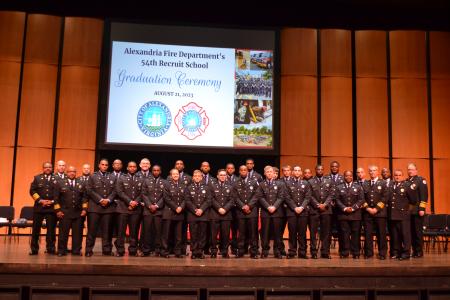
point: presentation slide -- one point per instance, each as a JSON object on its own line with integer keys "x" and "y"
{"x": 179, "y": 95}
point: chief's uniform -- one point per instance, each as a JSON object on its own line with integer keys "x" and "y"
{"x": 173, "y": 198}
{"x": 198, "y": 196}
{"x": 70, "y": 198}
{"x": 375, "y": 194}
{"x": 221, "y": 198}
{"x": 153, "y": 194}
{"x": 128, "y": 188}
{"x": 299, "y": 195}
{"x": 100, "y": 186}
{"x": 243, "y": 191}
{"x": 418, "y": 191}
{"x": 43, "y": 188}
{"x": 271, "y": 193}
{"x": 322, "y": 193}
{"x": 399, "y": 216}
{"x": 349, "y": 195}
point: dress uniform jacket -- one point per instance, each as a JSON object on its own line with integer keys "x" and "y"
{"x": 101, "y": 186}
{"x": 322, "y": 193}
{"x": 198, "y": 196}
{"x": 353, "y": 197}
{"x": 299, "y": 195}
{"x": 153, "y": 194}
{"x": 184, "y": 178}
{"x": 418, "y": 192}
{"x": 399, "y": 201}
{"x": 43, "y": 188}
{"x": 271, "y": 194}
{"x": 221, "y": 198}
{"x": 336, "y": 179}
{"x": 129, "y": 188}
{"x": 70, "y": 199}
{"x": 376, "y": 197}
{"x": 243, "y": 191}
{"x": 173, "y": 198}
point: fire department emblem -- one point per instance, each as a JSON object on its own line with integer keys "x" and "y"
{"x": 191, "y": 120}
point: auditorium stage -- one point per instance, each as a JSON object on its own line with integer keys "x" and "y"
{"x": 260, "y": 277}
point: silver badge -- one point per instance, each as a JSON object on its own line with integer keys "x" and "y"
{"x": 203, "y": 191}
{"x": 402, "y": 190}
{"x": 355, "y": 190}
{"x": 303, "y": 186}
{"x": 111, "y": 182}
{"x": 251, "y": 187}
{"x": 424, "y": 182}
{"x": 274, "y": 187}
{"x": 379, "y": 187}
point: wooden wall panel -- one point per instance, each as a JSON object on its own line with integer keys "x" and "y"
{"x": 38, "y": 105}
{"x": 43, "y": 34}
{"x": 9, "y": 95}
{"x": 439, "y": 54}
{"x": 303, "y": 161}
{"x": 76, "y": 158}
{"x": 372, "y": 117}
{"x": 346, "y": 163}
{"x": 299, "y": 52}
{"x": 365, "y": 162}
{"x": 370, "y": 52}
{"x": 77, "y": 119}
{"x": 6, "y": 158}
{"x": 336, "y": 116}
{"x": 441, "y": 186}
{"x": 299, "y": 115}
{"x": 409, "y": 118}
{"x": 440, "y": 95}
{"x": 82, "y": 41}
{"x": 423, "y": 167}
{"x": 336, "y": 52}
{"x": 408, "y": 54}
{"x": 29, "y": 163}
{"x": 11, "y": 35}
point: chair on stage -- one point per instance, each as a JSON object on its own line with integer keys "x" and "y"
{"x": 25, "y": 220}
{"x": 434, "y": 231}
{"x": 6, "y": 217}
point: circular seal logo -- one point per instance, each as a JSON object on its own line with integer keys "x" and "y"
{"x": 191, "y": 120}
{"x": 154, "y": 118}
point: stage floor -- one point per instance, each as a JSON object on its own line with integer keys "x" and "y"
{"x": 431, "y": 271}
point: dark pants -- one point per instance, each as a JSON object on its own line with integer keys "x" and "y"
{"x": 313, "y": 224}
{"x": 417, "y": 234}
{"x": 248, "y": 235}
{"x": 133, "y": 222}
{"x": 223, "y": 228}
{"x": 297, "y": 233}
{"x": 198, "y": 231}
{"x": 152, "y": 230}
{"x": 282, "y": 229}
{"x": 104, "y": 222}
{"x": 350, "y": 232}
{"x": 65, "y": 224}
{"x": 175, "y": 227}
{"x": 265, "y": 228}
{"x": 234, "y": 231}
{"x": 50, "y": 221}
{"x": 370, "y": 225}
{"x": 401, "y": 237}
{"x": 325, "y": 228}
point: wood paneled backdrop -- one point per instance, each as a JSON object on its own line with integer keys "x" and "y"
{"x": 331, "y": 80}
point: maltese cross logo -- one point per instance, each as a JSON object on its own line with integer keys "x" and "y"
{"x": 191, "y": 120}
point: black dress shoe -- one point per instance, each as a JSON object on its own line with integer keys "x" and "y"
{"x": 214, "y": 255}
{"x": 264, "y": 255}
{"x": 193, "y": 256}
{"x": 201, "y": 256}
{"x": 89, "y": 254}
{"x": 314, "y": 256}
{"x": 355, "y": 256}
{"x": 395, "y": 256}
{"x": 328, "y": 256}
{"x": 107, "y": 253}
{"x": 225, "y": 255}
{"x": 279, "y": 256}
{"x": 77, "y": 254}
{"x": 51, "y": 252}
{"x": 304, "y": 256}
{"x": 368, "y": 256}
{"x": 120, "y": 254}
{"x": 283, "y": 252}
{"x": 33, "y": 252}
{"x": 132, "y": 253}
{"x": 343, "y": 256}
{"x": 290, "y": 256}
{"x": 254, "y": 256}
{"x": 61, "y": 254}
{"x": 165, "y": 255}
{"x": 417, "y": 255}
{"x": 179, "y": 255}
{"x": 404, "y": 257}
{"x": 381, "y": 257}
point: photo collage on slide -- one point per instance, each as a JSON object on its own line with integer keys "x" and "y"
{"x": 253, "y": 99}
